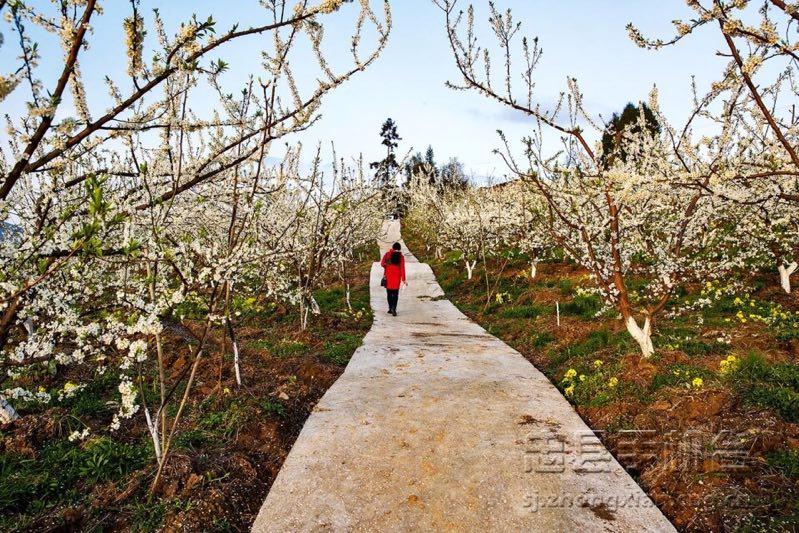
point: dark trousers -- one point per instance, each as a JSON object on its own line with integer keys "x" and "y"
{"x": 393, "y": 297}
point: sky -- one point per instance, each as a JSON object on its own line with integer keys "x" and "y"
{"x": 585, "y": 39}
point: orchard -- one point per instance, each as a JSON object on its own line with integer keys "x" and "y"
{"x": 183, "y": 276}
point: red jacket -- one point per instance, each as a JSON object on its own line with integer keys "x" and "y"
{"x": 395, "y": 274}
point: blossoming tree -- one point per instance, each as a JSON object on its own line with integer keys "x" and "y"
{"x": 645, "y": 205}
{"x": 759, "y": 86}
{"x": 123, "y": 215}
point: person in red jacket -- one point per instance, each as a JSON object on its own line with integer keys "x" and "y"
{"x": 393, "y": 264}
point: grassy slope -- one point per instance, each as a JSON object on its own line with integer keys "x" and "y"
{"x": 684, "y": 459}
{"x": 230, "y": 446}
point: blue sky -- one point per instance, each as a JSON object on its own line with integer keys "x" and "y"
{"x": 581, "y": 38}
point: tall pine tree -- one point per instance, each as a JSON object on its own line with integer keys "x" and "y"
{"x": 386, "y": 168}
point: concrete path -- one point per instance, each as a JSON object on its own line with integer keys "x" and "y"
{"x": 438, "y": 426}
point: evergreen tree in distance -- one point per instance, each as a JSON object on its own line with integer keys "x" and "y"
{"x": 422, "y": 165}
{"x": 612, "y": 145}
{"x": 386, "y": 168}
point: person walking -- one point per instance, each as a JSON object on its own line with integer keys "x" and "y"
{"x": 393, "y": 264}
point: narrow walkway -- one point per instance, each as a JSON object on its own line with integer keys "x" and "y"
{"x": 437, "y": 425}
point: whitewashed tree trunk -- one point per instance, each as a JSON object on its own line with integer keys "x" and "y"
{"x": 785, "y": 275}
{"x": 533, "y": 269}
{"x": 7, "y": 413}
{"x": 236, "y": 365}
{"x": 152, "y": 426}
{"x": 470, "y": 268}
{"x": 643, "y": 336}
{"x": 308, "y": 305}
{"x": 303, "y": 314}
{"x": 349, "y": 304}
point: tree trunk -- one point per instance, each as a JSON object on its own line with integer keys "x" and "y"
{"x": 303, "y": 315}
{"x": 236, "y": 365}
{"x": 533, "y": 269}
{"x": 643, "y": 336}
{"x": 152, "y": 427}
{"x": 785, "y": 275}
{"x": 470, "y": 268}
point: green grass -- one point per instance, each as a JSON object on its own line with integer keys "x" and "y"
{"x": 192, "y": 439}
{"x": 565, "y": 286}
{"x": 449, "y": 285}
{"x": 330, "y": 299}
{"x": 788, "y": 334}
{"x": 786, "y": 462}
{"x": 524, "y": 311}
{"x": 596, "y": 342}
{"x": 92, "y": 401}
{"x": 582, "y": 306}
{"x": 280, "y": 347}
{"x": 31, "y": 485}
{"x": 270, "y": 405}
{"x": 224, "y": 422}
{"x": 698, "y": 347}
{"x": 215, "y": 426}
{"x": 542, "y": 339}
{"x": 769, "y": 385}
{"x": 147, "y": 517}
{"x": 339, "y": 350}
{"x": 680, "y": 375}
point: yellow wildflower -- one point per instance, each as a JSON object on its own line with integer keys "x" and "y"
{"x": 728, "y": 365}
